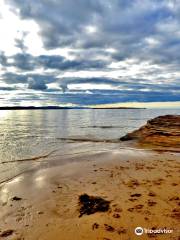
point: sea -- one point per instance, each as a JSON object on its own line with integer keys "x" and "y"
{"x": 35, "y": 138}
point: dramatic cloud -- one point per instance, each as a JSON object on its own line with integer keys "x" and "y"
{"x": 36, "y": 85}
{"x": 88, "y": 52}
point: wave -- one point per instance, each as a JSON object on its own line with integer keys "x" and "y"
{"x": 105, "y": 127}
{"x": 79, "y": 139}
{"x": 30, "y": 159}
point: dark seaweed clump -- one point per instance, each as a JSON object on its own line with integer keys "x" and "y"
{"x": 90, "y": 204}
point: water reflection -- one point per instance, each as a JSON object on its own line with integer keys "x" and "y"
{"x": 40, "y": 181}
{"x": 4, "y": 195}
{"x": 3, "y": 113}
{"x": 26, "y": 134}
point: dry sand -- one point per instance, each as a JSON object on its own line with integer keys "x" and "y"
{"x": 143, "y": 187}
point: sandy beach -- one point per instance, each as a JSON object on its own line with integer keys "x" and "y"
{"x": 141, "y": 185}
{"x": 89, "y": 120}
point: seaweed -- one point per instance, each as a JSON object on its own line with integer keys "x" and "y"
{"x": 90, "y": 205}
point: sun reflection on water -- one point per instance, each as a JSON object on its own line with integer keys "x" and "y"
{"x": 3, "y": 113}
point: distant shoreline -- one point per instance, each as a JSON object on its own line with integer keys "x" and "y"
{"x": 57, "y": 107}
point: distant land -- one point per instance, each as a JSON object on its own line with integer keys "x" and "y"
{"x": 59, "y": 107}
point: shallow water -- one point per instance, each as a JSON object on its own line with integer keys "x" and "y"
{"x": 39, "y": 135}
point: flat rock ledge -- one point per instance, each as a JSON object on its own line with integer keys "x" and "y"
{"x": 161, "y": 131}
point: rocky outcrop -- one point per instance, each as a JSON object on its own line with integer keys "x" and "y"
{"x": 161, "y": 131}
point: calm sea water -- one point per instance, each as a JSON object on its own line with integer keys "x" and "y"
{"x": 37, "y": 135}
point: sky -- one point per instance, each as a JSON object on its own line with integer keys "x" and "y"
{"x": 89, "y": 52}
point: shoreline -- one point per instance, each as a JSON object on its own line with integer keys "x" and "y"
{"x": 139, "y": 185}
{"x": 62, "y": 108}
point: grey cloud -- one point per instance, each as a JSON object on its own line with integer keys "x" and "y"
{"x": 99, "y": 97}
{"x": 143, "y": 30}
{"x": 23, "y": 61}
{"x": 39, "y": 82}
{"x": 36, "y": 85}
{"x": 67, "y": 19}
{"x": 67, "y": 81}
{"x": 123, "y": 83}
{"x": 3, "y": 59}
{"x": 107, "y": 96}
{"x": 7, "y": 88}
{"x": 27, "y": 62}
{"x": 120, "y": 24}
{"x": 60, "y": 63}
{"x": 19, "y": 43}
{"x": 14, "y": 78}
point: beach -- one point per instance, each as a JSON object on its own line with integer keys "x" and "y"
{"x": 142, "y": 187}
{"x": 90, "y": 120}
{"x": 50, "y": 195}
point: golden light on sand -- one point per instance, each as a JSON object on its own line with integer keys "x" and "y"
{"x": 17, "y": 180}
{"x": 40, "y": 181}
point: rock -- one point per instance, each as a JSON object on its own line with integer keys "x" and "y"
{"x": 151, "y": 203}
{"x": 151, "y": 194}
{"x": 161, "y": 131}
{"x": 95, "y": 226}
{"x": 7, "y": 233}
{"x": 121, "y": 230}
{"x": 16, "y": 198}
{"x": 136, "y": 195}
{"x": 109, "y": 228}
{"x": 40, "y": 212}
{"x": 91, "y": 204}
{"x": 116, "y": 215}
{"x": 176, "y": 213}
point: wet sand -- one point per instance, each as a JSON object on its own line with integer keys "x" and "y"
{"x": 141, "y": 185}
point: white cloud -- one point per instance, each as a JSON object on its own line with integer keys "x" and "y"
{"x": 90, "y": 86}
{"x": 91, "y": 29}
{"x": 12, "y": 28}
{"x": 132, "y": 43}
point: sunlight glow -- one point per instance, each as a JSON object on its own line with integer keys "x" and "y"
{"x": 12, "y": 28}
{"x": 91, "y": 29}
{"x": 3, "y": 114}
{"x": 90, "y": 86}
{"x": 140, "y": 105}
